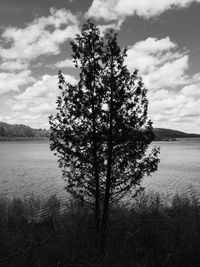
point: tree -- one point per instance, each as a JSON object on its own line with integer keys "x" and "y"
{"x": 101, "y": 131}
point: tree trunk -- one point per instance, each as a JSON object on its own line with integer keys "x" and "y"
{"x": 97, "y": 206}
{"x": 104, "y": 222}
{"x": 95, "y": 165}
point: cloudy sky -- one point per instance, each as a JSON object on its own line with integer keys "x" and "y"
{"x": 163, "y": 38}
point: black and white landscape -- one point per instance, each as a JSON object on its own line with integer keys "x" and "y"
{"x": 99, "y": 133}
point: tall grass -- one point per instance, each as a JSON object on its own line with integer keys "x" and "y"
{"x": 151, "y": 231}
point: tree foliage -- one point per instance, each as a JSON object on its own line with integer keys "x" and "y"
{"x": 101, "y": 132}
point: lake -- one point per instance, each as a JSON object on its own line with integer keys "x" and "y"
{"x": 30, "y": 167}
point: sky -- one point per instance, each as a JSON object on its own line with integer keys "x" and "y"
{"x": 163, "y": 41}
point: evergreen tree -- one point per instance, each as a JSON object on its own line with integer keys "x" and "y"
{"x": 101, "y": 132}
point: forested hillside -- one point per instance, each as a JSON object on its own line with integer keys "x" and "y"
{"x": 167, "y": 134}
{"x": 12, "y": 131}
{"x": 19, "y": 130}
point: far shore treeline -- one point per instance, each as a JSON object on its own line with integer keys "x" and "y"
{"x": 10, "y": 132}
{"x": 21, "y": 132}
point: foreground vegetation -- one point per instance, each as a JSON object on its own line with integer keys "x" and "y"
{"x": 150, "y": 232}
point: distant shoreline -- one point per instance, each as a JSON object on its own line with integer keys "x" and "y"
{"x": 5, "y": 139}
{"x": 20, "y": 132}
{"x": 2, "y": 138}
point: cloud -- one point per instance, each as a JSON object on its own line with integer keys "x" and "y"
{"x": 13, "y": 81}
{"x": 159, "y": 61}
{"x": 46, "y": 88}
{"x": 169, "y": 75}
{"x": 14, "y": 65}
{"x": 148, "y": 54}
{"x": 174, "y": 96}
{"x": 115, "y": 26}
{"x": 37, "y": 102}
{"x": 153, "y": 45}
{"x": 119, "y": 9}
{"x": 192, "y": 90}
{"x": 67, "y": 63}
{"x": 176, "y": 109}
{"x": 43, "y": 36}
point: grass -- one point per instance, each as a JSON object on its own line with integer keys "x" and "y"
{"x": 152, "y": 231}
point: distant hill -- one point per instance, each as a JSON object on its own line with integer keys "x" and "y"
{"x": 167, "y": 134}
{"x": 20, "y": 131}
{"x": 23, "y": 132}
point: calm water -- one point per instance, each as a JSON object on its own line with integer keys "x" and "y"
{"x": 179, "y": 167}
{"x": 30, "y": 167}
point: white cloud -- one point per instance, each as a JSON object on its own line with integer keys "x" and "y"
{"x": 115, "y": 26}
{"x": 153, "y": 45}
{"x": 41, "y": 89}
{"x": 13, "y": 81}
{"x": 43, "y": 36}
{"x": 174, "y": 96}
{"x": 67, "y": 63}
{"x": 14, "y": 65}
{"x": 37, "y": 102}
{"x": 119, "y": 9}
{"x": 191, "y": 90}
{"x": 46, "y": 88}
{"x": 159, "y": 62}
{"x": 148, "y": 54}
{"x": 176, "y": 109}
{"x": 169, "y": 75}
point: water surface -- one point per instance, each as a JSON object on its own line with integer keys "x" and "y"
{"x": 30, "y": 167}
{"x": 179, "y": 167}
